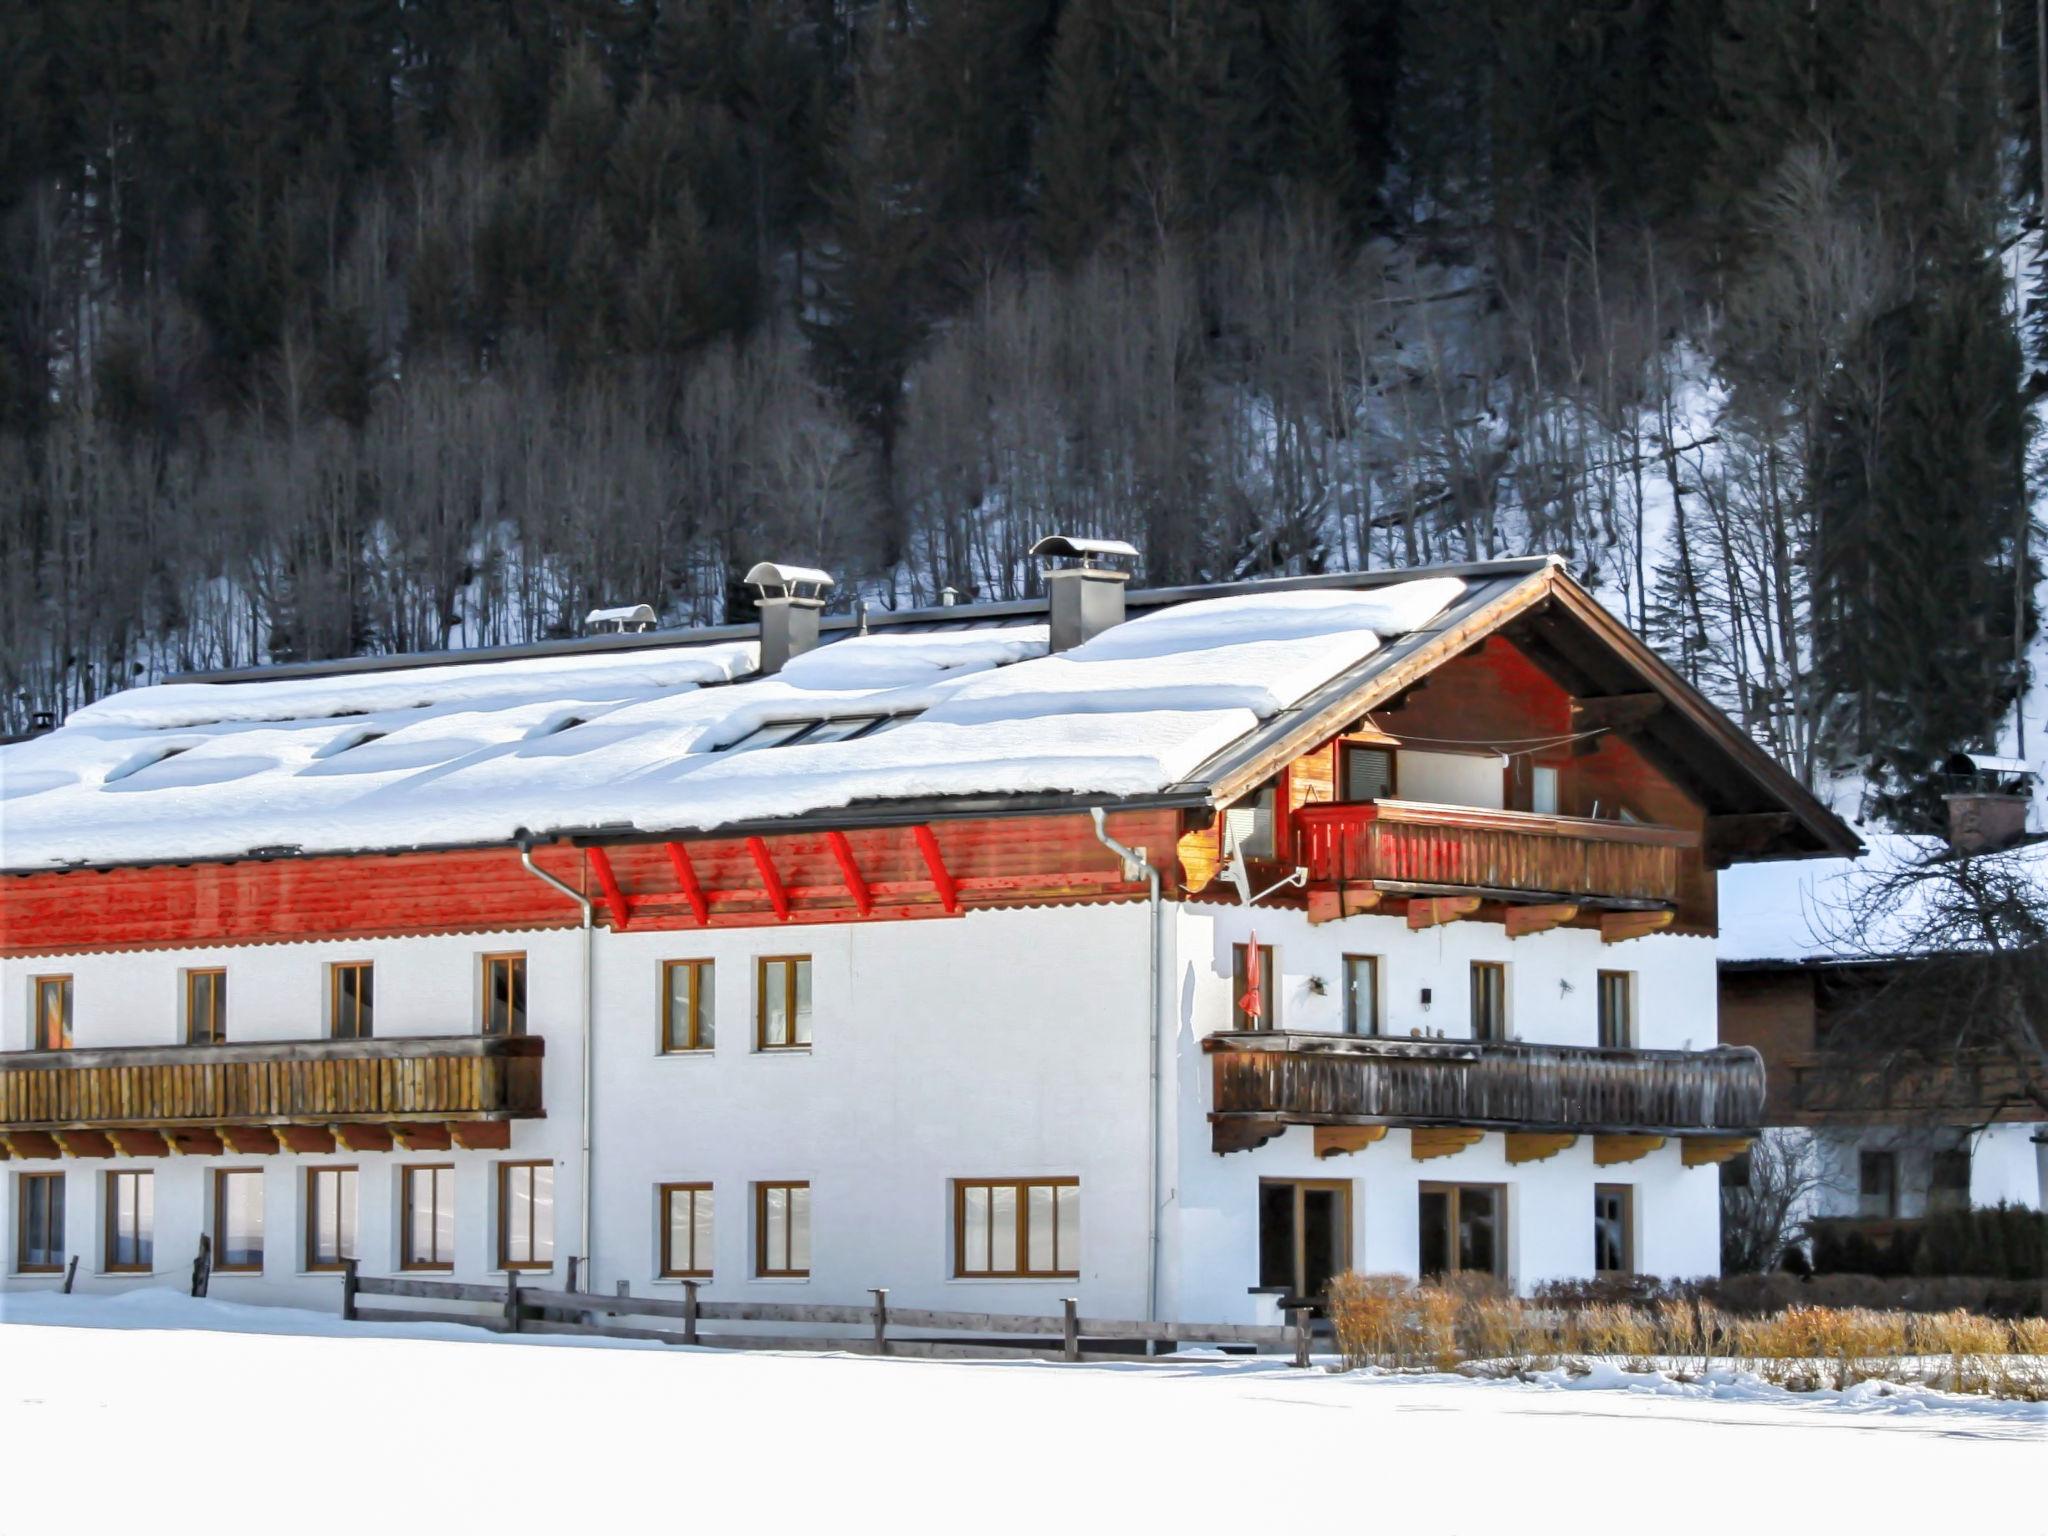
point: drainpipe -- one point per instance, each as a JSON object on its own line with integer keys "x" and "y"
{"x": 1135, "y": 860}
{"x": 583, "y": 901}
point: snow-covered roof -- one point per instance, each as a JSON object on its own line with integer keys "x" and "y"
{"x": 1817, "y": 911}
{"x": 672, "y": 738}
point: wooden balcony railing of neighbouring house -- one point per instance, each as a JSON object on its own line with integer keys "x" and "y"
{"x": 1265, "y": 1081}
{"x": 292, "y": 1095}
{"x": 1399, "y": 845}
{"x": 1965, "y": 1085}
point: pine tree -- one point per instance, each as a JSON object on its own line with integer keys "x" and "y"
{"x": 1081, "y": 142}
{"x": 1315, "y": 143}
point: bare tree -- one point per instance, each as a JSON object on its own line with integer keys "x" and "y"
{"x": 1764, "y": 1205}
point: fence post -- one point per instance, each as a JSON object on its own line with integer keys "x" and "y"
{"x": 202, "y": 1267}
{"x": 881, "y": 1320}
{"x": 348, "y": 1290}
{"x": 511, "y": 1301}
{"x": 1070, "y": 1343}
{"x": 70, "y": 1273}
{"x": 689, "y": 1311}
{"x": 1300, "y": 1337}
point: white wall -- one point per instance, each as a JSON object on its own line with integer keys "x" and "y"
{"x": 2005, "y": 1164}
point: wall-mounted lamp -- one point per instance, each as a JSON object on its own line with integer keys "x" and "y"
{"x": 1317, "y": 985}
{"x": 1564, "y": 988}
{"x": 1425, "y": 999}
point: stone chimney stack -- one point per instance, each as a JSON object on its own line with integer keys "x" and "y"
{"x": 790, "y": 598}
{"x": 1987, "y": 801}
{"x": 1084, "y": 585}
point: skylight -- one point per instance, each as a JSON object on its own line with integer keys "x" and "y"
{"x": 789, "y": 733}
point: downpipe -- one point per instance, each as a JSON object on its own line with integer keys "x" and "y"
{"x": 586, "y": 1183}
{"x": 1134, "y": 860}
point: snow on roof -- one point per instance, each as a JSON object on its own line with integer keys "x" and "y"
{"x": 658, "y": 739}
{"x": 1810, "y": 910}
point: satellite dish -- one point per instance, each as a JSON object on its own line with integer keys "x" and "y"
{"x": 1242, "y": 826}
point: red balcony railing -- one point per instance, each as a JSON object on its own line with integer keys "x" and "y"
{"x": 1399, "y": 843}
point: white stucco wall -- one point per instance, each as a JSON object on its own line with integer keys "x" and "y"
{"x": 2005, "y": 1164}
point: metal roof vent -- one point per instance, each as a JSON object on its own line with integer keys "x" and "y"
{"x": 1084, "y": 585}
{"x": 790, "y": 598}
{"x": 633, "y": 619}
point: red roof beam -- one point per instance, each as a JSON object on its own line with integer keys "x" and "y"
{"x": 856, "y": 887}
{"x": 686, "y": 877}
{"x": 609, "y": 883}
{"x": 948, "y": 888}
{"x": 771, "y": 882}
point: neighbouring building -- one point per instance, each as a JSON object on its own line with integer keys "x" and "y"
{"x": 1173, "y": 950}
{"x": 1898, "y": 1134}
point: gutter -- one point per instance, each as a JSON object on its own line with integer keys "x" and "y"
{"x": 586, "y": 1182}
{"x": 1134, "y": 859}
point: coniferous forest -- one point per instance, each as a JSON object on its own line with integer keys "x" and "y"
{"x": 340, "y": 326}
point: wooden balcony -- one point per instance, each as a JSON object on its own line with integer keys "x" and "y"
{"x": 1265, "y": 1081}
{"x": 1962, "y": 1087}
{"x": 1401, "y": 847}
{"x": 292, "y": 1096}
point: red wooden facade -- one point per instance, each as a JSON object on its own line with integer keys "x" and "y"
{"x": 823, "y": 876}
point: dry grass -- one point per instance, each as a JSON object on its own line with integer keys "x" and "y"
{"x": 1476, "y": 1324}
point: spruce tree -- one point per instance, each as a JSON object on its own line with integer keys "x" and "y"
{"x": 1081, "y": 141}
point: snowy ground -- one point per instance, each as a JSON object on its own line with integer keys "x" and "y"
{"x": 171, "y": 1415}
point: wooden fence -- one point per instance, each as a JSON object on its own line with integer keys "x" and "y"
{"x": 875, "y": 1329}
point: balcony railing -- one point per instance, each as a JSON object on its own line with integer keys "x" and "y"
{"x": 1965, "y": 1085}
{"x": 1398, "y": 844}
{"x": 402, "y": 1085}
{"x": 1272, "y": 1079}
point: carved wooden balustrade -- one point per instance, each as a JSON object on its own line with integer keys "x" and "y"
{"x": 1398, "y": 844}
{"x": 293, "y": 1095}
{"x": 1265, "y": 1081}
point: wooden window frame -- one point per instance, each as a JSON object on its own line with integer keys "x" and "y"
{"x": 1628, "y": 1229}
{"x": 703, "y": 981}
{"x": 38, "y": 1040}
{"x": 220, "y": 1225}
{"x": 762, "y": 1270}
{"x": 1456, "y": 1190}
{"x": 1343, "y": 773}
{"x": 315, "y": 1265}
{"x": 1023, "y": 1188}
{"x": 701, "y": 1267}
{"x": 218, "y": 1034}
{"x": 761, "y": 965}
{"x": 1602, "y": 1022}
{"x": 112, "y": 1214}
{"x": 504, "y": 1177}
{"x": 1343, "y": 1189}
{"x": 21, "y": 1231}
{"x": 408, "y": 1260}
{"x": 1499, "y": 1030}
{"x": 1375, "y": 1020}
{"x": 517, "y": 959}
{"x": 1269, "y": 972}
{"x": 335, "y": 969}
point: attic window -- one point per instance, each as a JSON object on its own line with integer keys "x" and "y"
{"x": 554, "y": 727}
{"x": 348, "y": 741}
{"x": 140, "y": 761}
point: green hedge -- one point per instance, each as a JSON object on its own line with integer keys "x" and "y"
{"x": 2000, "y": 1242}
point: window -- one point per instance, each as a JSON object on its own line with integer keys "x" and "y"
{"x": 1489, "y": 1000}
{"x": 526, "y": 1215}
{"x": 330, "y": 1217}
{"x": 427, "y": 1217}
{"x": 131, "y": 1218}
{"x": 685, "y": 1231}
{"x": 688, "y": 1007}
{"x": 1017, "y": 1228}
{"x": 206, "y": 1007}
{"x": 1461, "y": 1229}
{"x": 1253, "y": 998}
{"x": 39, "y": 1235}
{"x": 504, "y": 994}
{"x": 1304, "y": 1234}
{"x": 1614, "y": 1229}
{"x": 351, "y": 1000}
{"x": 1617, "y": 1009}
{"x": 1543, "y": 790}
{"x": 782, "y": 998}
{"x": 1368, "y": 773}
{"x": 1361, "y": 994}
{"x": 53, "y": 1013}
{"x": 1948, "y": 1180}
{"x": 1877, "y": 1184}
{"x": 782, "y": 1229}
{"x": 238, "y": 1220}
{"x": 1735, "y": 1172}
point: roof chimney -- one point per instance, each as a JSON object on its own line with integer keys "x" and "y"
{"x": 1987, "y": 801}
{"x": 1083, "y": 586}
{"x": 790, "y": 598}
